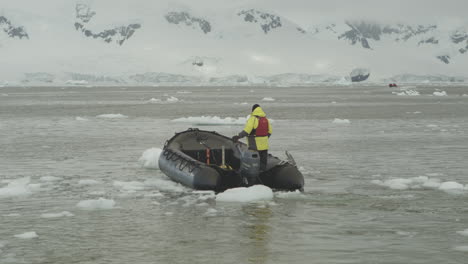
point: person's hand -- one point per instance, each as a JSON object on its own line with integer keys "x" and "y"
{"x": 235, "y": 138}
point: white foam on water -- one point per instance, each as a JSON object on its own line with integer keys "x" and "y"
{"x": 27, "y": 235}
{"x": 461, "y": 248}
{"x": 150, "y": 158}
{"x": 407, "y": 93}
{"x": 246, "y": 194}
{"x": 130, "y": 186}
{"x": 268, "y": 99}
{"x": 341, "y": 121}
{"x": 88, "y": 182}
{"x": 112, "y": 116}
{"x": 57, "y": 215}
{"x": 211, "y": 120}
{"x": 463, "y": 233}
{"x": 441, "y": 93}
{"x": 50, "y": 178}
{"x": 99, "y": 204}
{"x": 79, "y": 118}
{"x": 19, "y": 187}
{"x": 422, "y": 182}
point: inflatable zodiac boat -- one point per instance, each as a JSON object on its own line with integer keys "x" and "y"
{"x": 206, "y": 160}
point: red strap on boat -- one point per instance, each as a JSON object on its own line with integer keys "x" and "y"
{"x": 208, "y": 156}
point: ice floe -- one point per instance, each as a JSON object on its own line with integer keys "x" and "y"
{"x": 407, "y": 93}
{"x": 463, "y": 233}
{"x": 27, "y": 235}
{"x": 150, "y": 158}
{"x": 341, "y": 121}
{"x": 268, "y": 99}
{"x": 154, "y": 100}
{"x": 111, "y": 116}
{"x": 57, "y": 215}
{"x": 19, "y": 187}
{"x": 421, "y": 182}
{"x": 461, "y": 248}
{"x": 290, "y": 195}
{"x": 79, "y": 118}
{"x": 98, "y": 204}
{"x": 440, "y": 93}
{"x": 211, "y": 120}
{"x": 246, "y": 194}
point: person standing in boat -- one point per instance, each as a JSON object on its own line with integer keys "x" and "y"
{"x": 258, "y": 130}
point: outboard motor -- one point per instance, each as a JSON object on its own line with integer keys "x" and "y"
{"x": 249, "y": 166}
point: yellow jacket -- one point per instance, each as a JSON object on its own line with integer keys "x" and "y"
{"x": 255, "y": 143}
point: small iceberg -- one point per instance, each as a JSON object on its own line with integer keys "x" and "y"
{"x": 246, "y": 194}
{"x": 341, "y": 121}
{"x": 27, "y": 235}
{"x": 111, "y": 116}
{"x": 57, "y": 215}
{"x": 268, "y": 99}
{"x": 407, "y": 93}
{"x": 150, "y": 157}
{"x": 441, "y": 93}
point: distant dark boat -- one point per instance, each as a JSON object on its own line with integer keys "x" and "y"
{"x": 194, "y": 158}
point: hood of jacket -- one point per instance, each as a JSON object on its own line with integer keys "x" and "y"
{"x": 258, "y": 112}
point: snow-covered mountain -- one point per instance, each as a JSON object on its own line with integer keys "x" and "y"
{"x": 163, "y": 42}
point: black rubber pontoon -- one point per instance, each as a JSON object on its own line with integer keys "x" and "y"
{"x": 194, "y": 158}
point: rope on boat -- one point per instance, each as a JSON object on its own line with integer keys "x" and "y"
{"x": 184, "y": 162}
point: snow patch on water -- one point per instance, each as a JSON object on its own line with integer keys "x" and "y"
{"x": 421, "y": 182}
{"x": 341, "y": 121}
{"x": 111, "y": 116}
{"x": 211, "y": 120}
{"x": 268, "y": 99}
{"x": 19, "y": 187}
{"x": 57, "y": 215}
{"x": 243, "y": 194}
{"x": 27, "y": 235}
{"x": 150, "y": 158}
{"x": 100, "y": 203}
{"x": 463, "y": 233}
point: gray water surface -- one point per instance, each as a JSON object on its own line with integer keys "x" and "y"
{"x": 349, "y": 213}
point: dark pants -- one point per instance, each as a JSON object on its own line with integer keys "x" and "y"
{"x": 263, "y": 160}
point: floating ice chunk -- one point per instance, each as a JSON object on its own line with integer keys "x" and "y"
{"x": 407, "y": 93}
{"x": 243, "y": 194}
{"x": 451, "y": 186}
{"x": 211, "y": 212}
{"x": 172, "y": 99}
{"x": 27, "y": 235}
{"x": 57, "y": 215}
{"x": 465, "y": 95}
{"x": 268, "y": 99}
{"x": 79, "y": 118}
{"x": 129, "y": 186}
{"x": 441, "y": 93}
{"x": 341, "y": 121}
{"x": 19, "y": 187}
{"x": 211, "y": 120}
{"x": 463, "y": 233}
{"x": 88, "y": 182}
{"x": 49, "y": 178}
{"x": 76, "y": 82}
{"x": 154, "y": 100}
{"x": 150, "y": 158}
{"x": 100, "y": 203}
{"x": 111, "y": 116}
{"x": 461, "y": 248}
